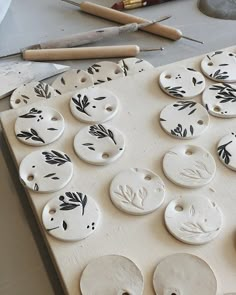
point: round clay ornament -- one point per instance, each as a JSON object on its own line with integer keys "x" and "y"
{"x": 133, "y": 65}
{"x": 99, "y": 144}
{"x": 137, "y": 191}
{"x": 39, "y": 126}
{"x": 105, "y": 71}
{"x": 227, "y": 150}
{"x": 72, "y": 80}
{"x": 220, "y": 66}
{"x": 114, "y": 275}
{"x": 184, "y": 119}
{"x": 46, "y": 170}
{"x": 94, "y": 105}
{"x": 189, "y": 166}
{"x": 193, "y": 219}
{"x": 220, "y": 100}
{"x": 31, "y": 92}
{"x": 182, "y": 274}
{"x": 181, "y": 82}
{"x": 71, "y": 216}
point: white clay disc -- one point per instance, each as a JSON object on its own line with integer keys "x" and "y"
{"x": 184, "y": 119}
{"x": 72, "y": 80}
{"x": 111, "y": 274}
{"x": 227, "y": 150}
{"x": 193, "y": 219}
{"x": 39, "y": 126}
{"x": 220, "y": 100}
{"x": 220, "y": 66}
{"x": 184, "y": 274}
{"x": 189, "y": 166}
{"x": 137, "y": 191}
{"x": 94, "y": 105}
{"x": 99, "y": 144}
{"x": 181, "y": 82}
{"x": 105, "y": 71}
{"x": 31, "y": 92}
{"x": 46, "y": 170}
{"x": 133, "y": 65}
{"x": 71, "y": 216}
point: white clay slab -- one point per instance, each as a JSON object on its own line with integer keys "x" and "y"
{"x": 94, "y": 105}
{"x": 137, "y": 191}
{"x": 184, "y": 274}
{"x": 220, "y": 66}
{"x": 99, "y": 144}
{"x": 31, "y": 92}
{"x": 72, "y": 80}
{"x": 227, "y": 151}
{"x": 181, "y": 82}
{"x": 189, "y": 166}
{"x": 220, "y": 100}
{"x": 46, "y": 170}
{"x": 184, "y": 119}
{"x": 105, "y": 71}
{"x": 193, "y": 219}
{"x": 111, "y": 275}
{"x": 133, "y": 65}
{"x": 71, "y": 216}
{"x": 39, "y": 126}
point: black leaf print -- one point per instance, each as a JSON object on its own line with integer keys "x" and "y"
{"x": 191, "y": 129}
{"x": 226, "y": 93}
{"x": 52, "y": 129}
{"x": 100, "y": 98}
{"x": 89, "y": 146}
{"x": 219, "y": 75}
{"x": 139, "y": 61}
{"x": 100, "y": 31}
{"x": 223, "y": 65}
{"x": 190, "y": 113}
{"x": 56, "y": 158}
{"x": 101, "y": 132}
{"x": 31, "y": 114}
{"x": 52, "y": 176}
{"x": 42, "y": 90}
{"x": 175, "y": 91}
{"x": 223, "y": 153}
{"x": 199, "y": 82}
{"x": 57, "y": 91}
{"x": 185, "y": 133}
{"x": 36, "y": 187}
{"x": 194, "y": 81}
{"x": 99, "y": 81}
{"x": 181, "y": 105}
{"x": 190, "y": 69}
{"x": 64, "y": 225}
{"x": 216, "y": 52}
{"x": 125, "y": 67}
{"x": 25, "y": 98}
{"x": 33, "y": 135}
{"x": 162, "y": 120}
{"x": 63, "y": 81}
{"x": 180, "y": 131}
{"x": 94, "y": 69}
{"x": 77, "y": 197}
{"x": 81, "y": 104}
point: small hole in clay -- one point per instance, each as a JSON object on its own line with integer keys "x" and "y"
{"x": 54, "y": 119}
{"x": 200, "y": 122}
{"x": 179, "y": 208}
{"x": 147, "y": 177}
{"x": 167, "y": 76}
{"x": 217, "y": 109}
{"x": 117, "y": 71}
{"x": 52, "y": 211}
{"x": 125, "y": 293}
{"x": 30, "y": 178}
{"x": 210, "y": 63}
{"x": 17, "y": 101}
{"x": 83, "y": 80}
{"x": 109, "y": 109}
{"x": 173, "y": 294}
{"x": 105, "y": 155}
{"x": 188, "y": 152}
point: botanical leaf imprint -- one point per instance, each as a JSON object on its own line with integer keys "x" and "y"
{"x": 198, "y": 172}
{"x": 196, "y": 230}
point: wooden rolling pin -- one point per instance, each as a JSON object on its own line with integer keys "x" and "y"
{"x": 83, "y": 53}
{"x": 124, "y": 18}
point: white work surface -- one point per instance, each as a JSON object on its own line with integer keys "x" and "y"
{"x": 25, "y": 267}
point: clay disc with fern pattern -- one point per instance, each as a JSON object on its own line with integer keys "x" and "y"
{"x": 226, "y": 150}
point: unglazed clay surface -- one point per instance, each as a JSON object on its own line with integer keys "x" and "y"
{"x": 94, "y": 105}
{"x": 39, "y": 126}
{"x": 137, "y": 191}
{"x": 71, "y": 216}
{"x": 134, "y": 65}
{"x": 189, "y": 166}
{"x": 182, "y": 274}
{"x": 181, "y": 82}
{"x": 193, "y": 219}
{"x": 227, "y": 150}
{"x": 114, "y": 275}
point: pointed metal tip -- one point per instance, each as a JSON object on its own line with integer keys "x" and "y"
{"x": 72, "y": 2}
{"x": 153, "y": 49}
{"x": 191, "y": 39}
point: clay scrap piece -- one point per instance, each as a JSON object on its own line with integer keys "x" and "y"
{"x": 225, "y": 9}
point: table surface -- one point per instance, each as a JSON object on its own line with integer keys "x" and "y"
{"x": 25, "y": 266}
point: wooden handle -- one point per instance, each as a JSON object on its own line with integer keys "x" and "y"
{"x": 124, "y": 18}
{"x": 81, "y": 53}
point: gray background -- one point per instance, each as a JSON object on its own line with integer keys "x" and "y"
{"x": 25, "y": 267}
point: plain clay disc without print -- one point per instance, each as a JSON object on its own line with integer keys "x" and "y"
{"x": 184, "y": 119}
{"x": 181, "y": 82}
{"x": 105, "y": 71}
{"x": 112, "y": 274}
{"x": 39, "y": 126}
{"x": 193, "y": 219}
{"x": 182, "y": 274}
{"x": 99, "y": 144}
{"x": 220, "y": 100}
{"x": 46, "y": 170}
{"x": 227, "y": 150}
{"x": 220, "y": 66}
{"x": 94, "y": 105}
{"x": 133, "y": 65}
{"x": 71, "y": 216}
{"x": 189, "y": 166}
{"x": 31, "y": 92}
{"x": 137, "y": 191}
{"x": 72, "y": 80}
